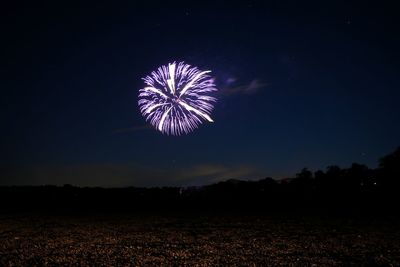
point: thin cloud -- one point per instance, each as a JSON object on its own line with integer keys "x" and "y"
{"x": 251, "y": 88}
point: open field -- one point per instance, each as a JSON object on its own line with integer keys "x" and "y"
{"x": 197, "y": 240}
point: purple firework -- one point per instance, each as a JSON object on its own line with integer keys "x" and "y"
{"x": 176, "y": 98}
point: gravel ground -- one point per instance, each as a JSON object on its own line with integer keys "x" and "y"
{"x": 197, "y": 240}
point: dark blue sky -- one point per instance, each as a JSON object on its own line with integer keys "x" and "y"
{"x": 301, "y": 85}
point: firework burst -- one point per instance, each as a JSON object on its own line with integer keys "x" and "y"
{"x": 176, "y": 98}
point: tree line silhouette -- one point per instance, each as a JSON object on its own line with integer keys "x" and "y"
{"x": 354, "y": 189}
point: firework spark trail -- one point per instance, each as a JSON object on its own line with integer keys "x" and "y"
{"x": 176, "y": 98}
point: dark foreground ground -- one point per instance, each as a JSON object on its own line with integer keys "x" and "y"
{"x": 197, "y": 240}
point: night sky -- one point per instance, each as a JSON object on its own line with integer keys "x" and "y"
{"x": 300, "y": 85}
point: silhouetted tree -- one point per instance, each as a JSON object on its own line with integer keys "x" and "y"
{"x": 333, "y": 178}
{"x": 319, "y": 175}
{"x": 389, "y": 171}
{"x": 357, "y": 175}
{"x": 320, "y": 178}
{"x": 267, "y": 183}
{"x": 304, "y": 174}
{"x": 333, "y": 171}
